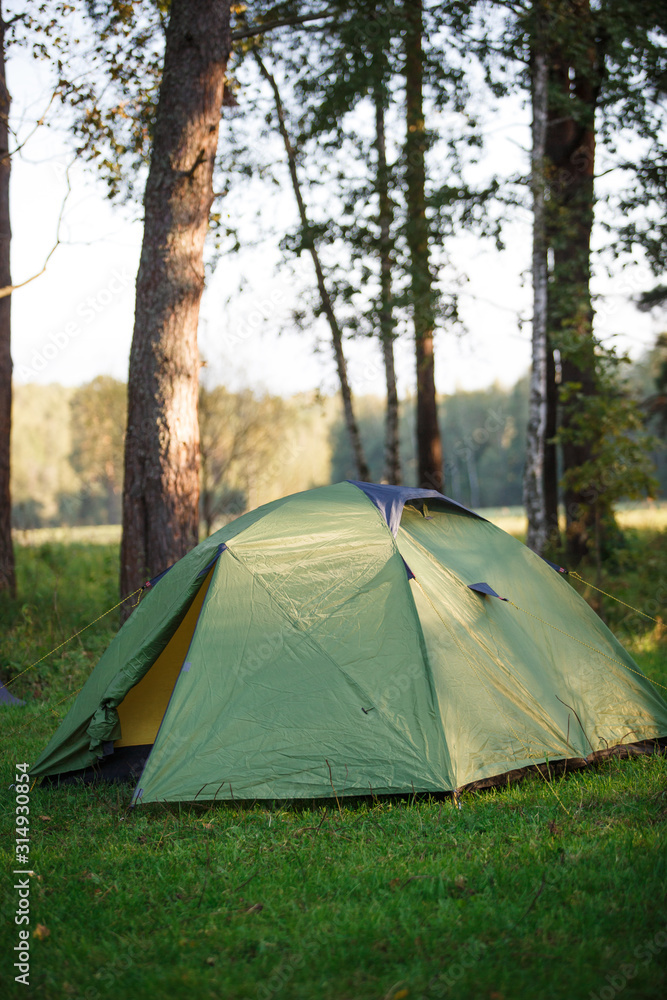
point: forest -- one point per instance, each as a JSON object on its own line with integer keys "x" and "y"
{"x": 272, "y": 725}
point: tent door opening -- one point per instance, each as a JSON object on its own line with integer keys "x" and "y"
{"x": 144, "y": 705}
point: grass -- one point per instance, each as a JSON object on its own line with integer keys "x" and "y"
{"x": 85, "y": 534}
{"x": 531, "y": 891}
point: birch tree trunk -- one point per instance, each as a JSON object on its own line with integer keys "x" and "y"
{"x": 534, "y": 479}
{"x": 363, "y": 470}
{"x": 7, "y": 573}
{"x": 161, "y": 488}
{"x": 429, "y": 444}
{"x": 551, "y": 449}
{"x": 392, "y": 457}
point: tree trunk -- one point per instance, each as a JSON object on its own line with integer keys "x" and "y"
{"x": 570, "y": 151}
{"x": 392, "y": 457}
{"x": 551, "y": 453}
{"x": 429, "y": 445}
{"x": 7, "y": 573}
{"x": 363, "y": 470}
{"x": 533, "y": 480}
{"x": 161, "y": 488}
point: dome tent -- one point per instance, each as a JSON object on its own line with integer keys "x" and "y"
{"x": 348, "y": 639}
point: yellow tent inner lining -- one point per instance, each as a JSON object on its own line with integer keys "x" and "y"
{"x": 144, "y": 705}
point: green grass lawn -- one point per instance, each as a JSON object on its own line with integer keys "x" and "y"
{"x": 538, "y": 890}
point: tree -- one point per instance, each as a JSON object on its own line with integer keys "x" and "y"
{"x": 98, "y": 414}
{"x": 359, "y": 77}
{"x": 655, "y": 403}
{"x": 161, "y": 482}
{"x": 536, "y": 444}
{"x": 308, "y": 242}
{"x": 601, "y": 59}
{"x": 7, "y": 567}
{"x": 429, "y": 445}
{"x": 7, "y": 571}
{"x": 606, "y": 72}
{"x": 392, "y": 453}
{"x": 574, "y": 88}
{"x": 355, "y": 59}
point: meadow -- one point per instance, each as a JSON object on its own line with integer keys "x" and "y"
{"x": 542, "y": 889}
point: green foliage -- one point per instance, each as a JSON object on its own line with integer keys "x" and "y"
{"x": 111, "y": 84}
{"x": 334, "y": 77}
{"x": 610, "y": 424}
{"x": 99, "y": 413}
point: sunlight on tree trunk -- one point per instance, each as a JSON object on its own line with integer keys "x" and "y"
{"x": 161, "y": 488}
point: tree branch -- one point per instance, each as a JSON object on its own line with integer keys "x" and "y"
{"x": 260, "y": 29}
{"x": 8, "y": 289}
{"x": 38, "y": 123}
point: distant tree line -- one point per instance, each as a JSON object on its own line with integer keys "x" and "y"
{"x": 68, "y": 446}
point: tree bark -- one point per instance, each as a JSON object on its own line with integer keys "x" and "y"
{"x": 363, "y": 470}
{"x": 429, "y": 445}
{"x": 533, "y": 480}
{"x": 570, "y": 150}
{"x": 551, "y": 452}
{"x": 7, "y": 571}
{"x": 161, "y": 488}
{"x": 392, "y": 458}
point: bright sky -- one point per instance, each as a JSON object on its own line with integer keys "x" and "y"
{"x": 75, "y": 321}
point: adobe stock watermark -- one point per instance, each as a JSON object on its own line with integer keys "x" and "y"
{"x": 87, "y": 312}
{"x": 262, "y": 311}
{"x": 645, "y": 953}
{"x": 21, "y": 950}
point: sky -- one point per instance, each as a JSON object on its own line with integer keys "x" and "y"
{"x": 75, "y": 320}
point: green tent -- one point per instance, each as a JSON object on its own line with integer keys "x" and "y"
{"x": 348, "y": 639}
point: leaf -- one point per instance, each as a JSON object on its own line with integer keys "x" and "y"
{"x": 41, "y": 932}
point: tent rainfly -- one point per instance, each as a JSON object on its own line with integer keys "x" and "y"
{"x": 350, "y": 639}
